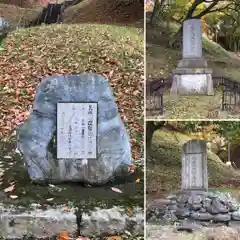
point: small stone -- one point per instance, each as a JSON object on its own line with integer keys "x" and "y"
{"x": 183, "y": 198}
{"x": 195, "y": 199}
{"x": 189, "y": 226}
{"x": 207, "y": 203}
{"x": 232, "y": 207}
{"x": 236, "y": 215}
{"x": 202, "y": 210}
{"x": 172, "y": 197}
{"x": 169, "y": 218}
{"x": 195, "y": 207}
{"x": 222, "y": 217}
{"x": 182, "y": 212}
{"x": 160, "y": 202}
{"x": 211, "y": 195}
{"x": 221, "y": 208}
{"x": 181, "y": 205}
{"x": 202, "y": 216}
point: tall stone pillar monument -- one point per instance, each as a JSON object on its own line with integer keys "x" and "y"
{"x": 192, "y": 75}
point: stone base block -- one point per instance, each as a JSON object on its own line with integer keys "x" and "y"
{"x": 192, "y": 63}
{"x": 192, "y": 82}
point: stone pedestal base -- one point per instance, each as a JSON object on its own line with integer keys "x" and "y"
{"x": 192, "y": 81}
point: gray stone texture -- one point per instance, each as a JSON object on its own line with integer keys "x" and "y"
{"x": 192, "y": 36}
{"x": 37, "y": 223}
{"x": 192, "y": 75}
{"x": 211, "y": 208}
{"x": 35, "y": 134}
{"x": 194, "y": 166}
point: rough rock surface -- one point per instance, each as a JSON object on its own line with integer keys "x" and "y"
{"x": 17, "y": 222}
{"x": 193, "y": 208}
{"x": 35, "y": 134}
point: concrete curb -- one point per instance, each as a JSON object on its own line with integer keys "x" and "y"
{"x": 17, "y": 223}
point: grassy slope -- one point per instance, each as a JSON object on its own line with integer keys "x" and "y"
{"x": 105, "y": 11}
{"x": 161, "y": 60}
{"x": 164, "y": 167}
{"x": 29, "y": 55}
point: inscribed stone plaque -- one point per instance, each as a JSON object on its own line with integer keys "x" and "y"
{"x": 195, "y": 83}
{"x": 192, "y": 39}
{"x": 77, "y": 130}
{"x": 36, "y": 135}
{"x": 194, "y": 166}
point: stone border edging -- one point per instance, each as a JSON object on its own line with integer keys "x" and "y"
{"x": 43, "y": 223}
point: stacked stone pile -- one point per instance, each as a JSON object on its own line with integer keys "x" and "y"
{"x": 201, "y": 207}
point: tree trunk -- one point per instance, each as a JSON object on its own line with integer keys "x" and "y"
{"x": 155, "y": 12}
{"x": 177, "y": 41}
{"x": 151, "y": 127}
{"x": 178, "y": 36}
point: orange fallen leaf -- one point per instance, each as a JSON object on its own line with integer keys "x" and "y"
{"x": 9, "y": 189}
{"x": 116, "y": 190}
{"x": 138, "y": 180}
{"x": 114, "y": 238}
{"x": 63, "y": 236}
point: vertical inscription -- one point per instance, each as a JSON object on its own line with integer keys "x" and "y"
{"x": 193, "y": 38}
{"x": 193, "y": 166}
{"x": 77, "y": 130}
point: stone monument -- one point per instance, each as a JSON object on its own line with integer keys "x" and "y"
{"x": 194, "y": 166}
{"x": 74, "y": 132}
{"x": 192, "y": 75}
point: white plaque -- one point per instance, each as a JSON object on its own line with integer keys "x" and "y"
{"x": 194, "y": 82}
{"x": 77, "y": 130}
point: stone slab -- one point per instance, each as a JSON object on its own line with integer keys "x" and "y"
{"x": 194, "y": 165}
{"x": 44, "y": 223}
{"x": 192, "y": 39}
{"x": 192, "y": 83}
{"x": 192, "y": 63}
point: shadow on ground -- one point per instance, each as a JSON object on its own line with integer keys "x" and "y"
{"x": 13, "y": 172}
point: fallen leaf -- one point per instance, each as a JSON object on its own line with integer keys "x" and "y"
{"x": 138, "y": 180}
{"x": 66, "y": 209}
{"x": 116, "y": 190}
{"x": 129, "y": 211}
{"x": 9, "y": 189}
{"x": 114, "y": 238}
{"x": 49, "y": 199}
{"x": 63, "y": 236}
{"x": 13, "y": 196}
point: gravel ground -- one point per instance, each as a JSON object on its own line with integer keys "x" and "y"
{"x": 206, "y": 233}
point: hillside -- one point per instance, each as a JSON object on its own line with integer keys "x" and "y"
{"x": 164, "y": 165}
{"x": 88, "y": 11}
{"x": 105, "y": 11}
{"x": 161, "y": 60}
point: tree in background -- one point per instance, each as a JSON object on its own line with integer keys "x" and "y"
{"x": 151, "y": 127}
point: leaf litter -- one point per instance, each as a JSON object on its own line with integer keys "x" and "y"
{"x": 32, "y": 54}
